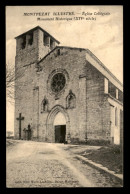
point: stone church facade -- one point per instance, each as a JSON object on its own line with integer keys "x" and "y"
{"x": 70, "y": 82}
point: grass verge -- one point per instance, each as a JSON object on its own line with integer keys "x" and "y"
{"x": 109, "y": 156}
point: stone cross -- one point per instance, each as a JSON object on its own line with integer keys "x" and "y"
{"x": 20, "y": 118}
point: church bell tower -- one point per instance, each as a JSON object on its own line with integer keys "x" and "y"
{"x": 33, "y": 45}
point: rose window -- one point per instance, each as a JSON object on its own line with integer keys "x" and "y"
{"x": 58, "y": 82}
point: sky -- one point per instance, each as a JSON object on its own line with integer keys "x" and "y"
{"x": 103, "y": 36}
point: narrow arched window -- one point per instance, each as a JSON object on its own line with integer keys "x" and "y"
{"x": 116, "y": 117}
{"x": 44, "y": 105}
{"x": 71, "y": 100}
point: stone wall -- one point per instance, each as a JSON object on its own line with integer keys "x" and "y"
{"x": 24, "y": 97}
{"x": 29, "y": 97}
{"x": 91, "y": 115}
{"x": 72, "y": 61}
{"x": 26, "y": 94}
{"x": 98, "y": 110}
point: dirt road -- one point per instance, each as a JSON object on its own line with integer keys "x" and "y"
{"x": 38, "y": 164}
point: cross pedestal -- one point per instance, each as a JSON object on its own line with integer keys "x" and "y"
{"x": 29, "y": 132}
{"x": 20, "y": 118}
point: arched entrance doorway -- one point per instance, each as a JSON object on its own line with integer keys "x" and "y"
{"x": 58, "y": 125}
{"x": 60, "y": 128}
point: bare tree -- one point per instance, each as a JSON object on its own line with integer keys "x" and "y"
{"x": 13, "y": 74}
{"x": 10, "y": 81}
{"x": 16, "y": 82}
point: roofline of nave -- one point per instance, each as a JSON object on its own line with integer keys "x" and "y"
{"x": 88, "y": 52}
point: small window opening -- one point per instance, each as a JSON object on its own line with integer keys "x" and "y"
{"x": 46, "y": 40}
{"x": 23, "y": 44}
{"x": 30, "y": 40}
{"x": 111, "y": 89}
{"x": 51, "y": 43}
{"x": 58, "y": 52}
